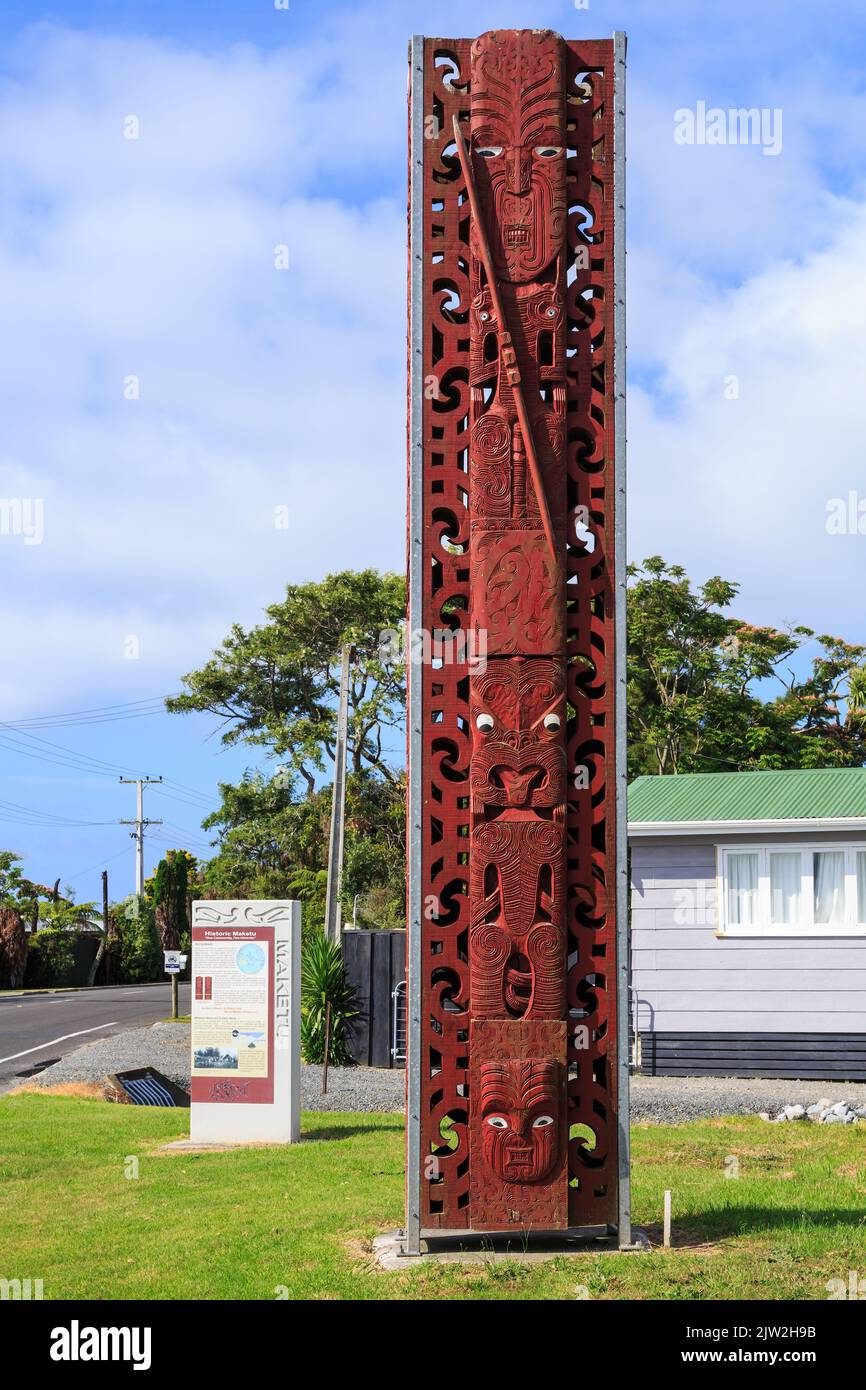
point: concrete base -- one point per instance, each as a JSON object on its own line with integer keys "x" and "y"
{"x": 199, "y": 1146}
{"x": 477, "y": 1249}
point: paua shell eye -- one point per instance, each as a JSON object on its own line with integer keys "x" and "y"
{"x": 484, "y": 722}
{"x": 489, "y": 151}
{"x": 548, "y": 151}
{"x": 497, "y": 1122}
{"x": 542, "y": 1122}
{"x": 552, "y": 721}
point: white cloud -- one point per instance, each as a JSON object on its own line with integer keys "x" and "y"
{"x": 258, "y": 387}
{"x": 262, "y": 388}
{"x": 740, "y": 486}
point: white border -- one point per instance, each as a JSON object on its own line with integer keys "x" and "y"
{"x": 809, "y": 929}
{"x": 744, "y": 827}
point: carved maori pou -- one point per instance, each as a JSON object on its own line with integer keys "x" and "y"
{"x": 512, "y": 1109}
{"x": 517, "y": 503}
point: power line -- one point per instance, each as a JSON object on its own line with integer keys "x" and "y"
{"x": 79, "y": 873}
{"x": 50, "y": 815}
{"x": 22, "y": 726}
{"x": 85, "y": 762}
{"x": 109, "y": 710}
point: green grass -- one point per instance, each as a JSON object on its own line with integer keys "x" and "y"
{"x": 240, "y": 1225}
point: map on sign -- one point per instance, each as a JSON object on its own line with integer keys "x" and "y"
{"x": 251, "y": 958}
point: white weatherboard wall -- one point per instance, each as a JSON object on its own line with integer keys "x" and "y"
{"x": 279, "y": 1121}
{"x": 689, "y": 980}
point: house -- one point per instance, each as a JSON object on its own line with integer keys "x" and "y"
{"x": 748, "y": 923}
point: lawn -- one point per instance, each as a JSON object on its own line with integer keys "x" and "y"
{"x": 300, "y": 1219}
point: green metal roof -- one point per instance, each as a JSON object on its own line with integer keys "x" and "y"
{"x": 820, "y": 793}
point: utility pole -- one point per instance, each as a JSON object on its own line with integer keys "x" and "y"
{"x": 333, "y": 915}
{"x": 138, "y": 833}
{"x": 97, "y": 960}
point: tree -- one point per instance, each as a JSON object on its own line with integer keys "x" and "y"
{"x": 278, "y": 684}
{"x": 16, "y": 891}
{"x": 696, "y": 677}
{"x": 13, "y": 947}
{"x": 139, "y": 947}
{"x": 274, "y": 843}
{"x": 170, "y": 895}
{"x": 61, "y": 920}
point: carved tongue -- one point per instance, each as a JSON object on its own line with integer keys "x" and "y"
{"x": 517, "y": 784}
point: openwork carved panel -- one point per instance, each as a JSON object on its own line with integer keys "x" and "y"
{"x": 517, "y": 1058}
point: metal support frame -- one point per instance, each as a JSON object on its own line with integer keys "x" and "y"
{"x": 412, "y": 1233}
{"x": 411, "y": 1238}
{"x": 398, "y": 1011}
{"x": 333, "y": 905}
{"x": 623, "y": 1071}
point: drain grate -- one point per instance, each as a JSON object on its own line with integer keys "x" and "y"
{"x": 147, "y": 1086}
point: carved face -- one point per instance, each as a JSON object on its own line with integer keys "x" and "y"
{"x": 519, "y": 1112}
{"x": 518, "y": 716}
{"x": 518, "y": 140}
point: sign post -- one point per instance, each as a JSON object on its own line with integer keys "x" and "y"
{"x": 245, "y": 1082}
{"x": 175, "y": 962}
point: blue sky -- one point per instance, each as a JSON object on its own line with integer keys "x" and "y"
{"x": 151, "y": 261}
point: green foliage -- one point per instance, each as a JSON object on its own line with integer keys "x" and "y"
{"x": 698, "y": 681}
{"x": 278, "y": 684}
{"x": 16, "y": 891}
{"x": 323, "y": 982}
{"x": 374, "y": 866}
{"x": 275, "y": 844}
{"x": 139, "y": 951}
{"x": 277, "y": 687}
{"x": 169, "y": 895}
{"x": 59, "y": 924}
{"x": 11, "y": 879}
{"x": 54, "y": 952}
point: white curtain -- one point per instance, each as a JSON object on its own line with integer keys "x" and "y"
{"x": 861, "y": 886}
{"x": 829, "y": 871}
{"x": 785, "y": 871}
{"x": 742, "y": 890}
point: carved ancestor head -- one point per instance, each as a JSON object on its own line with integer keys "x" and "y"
{"x": 518, "y": 714}
{"x": 518, "y": 147}
{"x": 520, "y": 1107}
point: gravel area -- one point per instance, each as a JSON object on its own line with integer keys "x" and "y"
{"x": 165, "y": 1046}
{"x": 662, "y": 1099}
{"x": 674, "y": 1099}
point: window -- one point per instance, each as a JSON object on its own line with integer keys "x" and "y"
{"x": 785, "y": 879}
{"x": 743, "y": 890}
{"x": 813, "y": 890}
{"x": 828, "y": 877}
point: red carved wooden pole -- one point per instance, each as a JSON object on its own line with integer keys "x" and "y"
{"x": 514, "y": 756}
{"x": 517, "y": 386}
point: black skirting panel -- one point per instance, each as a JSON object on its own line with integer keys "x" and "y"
{"x": 375, "y": 963}
{"x": 801, "y": 1056}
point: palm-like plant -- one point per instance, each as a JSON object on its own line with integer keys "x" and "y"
{"x": 857, "y": 695}
{"x": 323, "y": 983}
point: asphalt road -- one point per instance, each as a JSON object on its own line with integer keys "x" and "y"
{"x": 38, "y": 1029}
